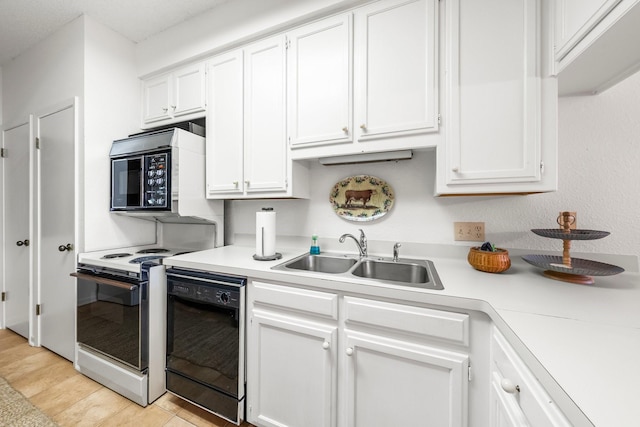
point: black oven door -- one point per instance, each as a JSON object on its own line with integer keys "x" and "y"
{"x": 127, "y": 183}
{"x": 112, "y": 318}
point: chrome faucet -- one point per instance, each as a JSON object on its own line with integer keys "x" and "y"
{"x": 362, "y": 244}
{"x": 396, "y": 251}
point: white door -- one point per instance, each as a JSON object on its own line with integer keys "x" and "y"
{"x": 292, "y": 381}
{"x": 319, "y": 79}
{"x": 56, "y": 208}
{"x": 265, "y": 153}
{"x": 224, "y": 126}
{"x": 397, "y": 383}
{"x": 17, "y": 237}
{"x": 395, "y": 68}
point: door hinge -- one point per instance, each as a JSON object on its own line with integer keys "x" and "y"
{"x": 439, "y": 119}
{"x": 287, "y": 43}
{"x": 37, "y": 143}
{"x": 38, "y": 309}
{"x": 4, "y": 296}
{"x": 541, "y": 168}
{"x": 3, "y": 152}
{"x": 469, "y": 373}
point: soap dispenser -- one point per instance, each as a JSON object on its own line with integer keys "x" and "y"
{"x": 315, "y": 248}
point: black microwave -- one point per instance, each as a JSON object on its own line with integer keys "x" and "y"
{"x": 141, "y": 172}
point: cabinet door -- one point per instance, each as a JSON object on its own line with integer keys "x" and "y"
{"x": 292, "y": 371}
{"x": 224, "y": 126}
{"x": 189, "y": 91}
{"x": 395, "y": 68}
{"x": 319, "y": 82}
{"x": 397, "y": 383}
{"x": 494, "y": 122}
{"x": 265, "y": 156}
{"x": 156, "y": 98}
{"x": 17, "y": 239}
{"x": 574, "y": 19}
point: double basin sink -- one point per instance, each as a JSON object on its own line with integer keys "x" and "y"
{"x": 405, "y": 272}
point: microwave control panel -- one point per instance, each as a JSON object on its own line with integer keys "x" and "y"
{"x": 156, "y": 180}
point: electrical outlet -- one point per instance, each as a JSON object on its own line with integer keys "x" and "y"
{"x": 469, "y": 231}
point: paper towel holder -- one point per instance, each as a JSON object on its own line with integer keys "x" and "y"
{"x": 272, "y": 257}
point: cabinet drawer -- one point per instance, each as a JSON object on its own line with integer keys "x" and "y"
{"x": 320, "y": 303}
{"x": 536, "y": 404}
{"x": 444, "y": 325}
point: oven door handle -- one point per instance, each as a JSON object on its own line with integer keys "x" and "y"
{"x": 104, "y": 281}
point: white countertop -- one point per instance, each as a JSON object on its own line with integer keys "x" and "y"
{"x": 581, "y": 341}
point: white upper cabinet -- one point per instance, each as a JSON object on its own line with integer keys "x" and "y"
{"x": 265, "y": 156}
{"x": 593, "y": 48}
{"x": 319, "y": 82}
{"x": 499, "y": 122}
{"x": 394, "y": 103}
{"x": 225, "y": 151}
{"x": 574, "y": 19}
{"x": 395, "y": 68}
{"x": 176, "y": 96}
{"x": 247, "y": 154}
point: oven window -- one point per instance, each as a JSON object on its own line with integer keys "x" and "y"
{"x": 108, "y": 320}
{"x": 203, "y": 343}
{"x": 126, "y": 186}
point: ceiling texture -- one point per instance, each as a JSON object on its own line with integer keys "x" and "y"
{"x": 24, "y": 23}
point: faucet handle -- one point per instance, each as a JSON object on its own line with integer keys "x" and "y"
{"x": 396, "y": 251}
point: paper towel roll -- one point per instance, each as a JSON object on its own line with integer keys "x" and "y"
{"x": 266, "y": 232}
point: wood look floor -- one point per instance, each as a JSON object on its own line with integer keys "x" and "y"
{"x": 52, "y": 384}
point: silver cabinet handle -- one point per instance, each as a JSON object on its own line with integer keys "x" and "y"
{"x": 165, "y": 109}
{"x": 349, "y": 351}
{"x": 67, "y": 247}
{"x": 363, "y": 127}
{"x": 325, "y": 345}
{"x": 247, "y": 182}
{"x": 345, "y": 129}
{"x": 24, "y": 242}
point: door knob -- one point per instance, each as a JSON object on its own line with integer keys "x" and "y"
{"x": 24, "y": 242}
{"x": 67, "y": 247}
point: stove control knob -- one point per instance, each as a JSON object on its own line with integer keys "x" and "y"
{"x": 159, "y": 181}
{"x": 151, "y": 201}
{"x": 160, "y": 201}
{"x": 224, "y": 297}
{"x": 159, "y": 172}
{"x": 150, "y": 174}
{"x": 151, "y": 182}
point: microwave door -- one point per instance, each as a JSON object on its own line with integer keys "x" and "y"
{"x": 126, "y": 183}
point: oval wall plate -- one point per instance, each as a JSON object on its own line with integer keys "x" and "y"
{"x": 361, "y": 198}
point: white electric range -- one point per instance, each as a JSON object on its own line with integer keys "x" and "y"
{"x": 121, "y": 319}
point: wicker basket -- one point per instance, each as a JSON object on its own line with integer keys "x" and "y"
{"x": 491, "y": 262}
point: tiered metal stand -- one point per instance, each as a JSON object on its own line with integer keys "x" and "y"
{"x": 565, "y": 268}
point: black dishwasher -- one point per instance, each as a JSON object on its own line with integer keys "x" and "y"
{"x": 205, "y": 340}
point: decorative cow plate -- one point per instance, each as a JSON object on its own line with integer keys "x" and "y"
{"x": 361, "y": 198}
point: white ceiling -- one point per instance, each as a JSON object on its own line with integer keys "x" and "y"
{"x": 24, "y": 23}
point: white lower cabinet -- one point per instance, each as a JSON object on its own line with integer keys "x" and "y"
{"x": 325, "y": 359}
{"x": 517, "y": 398}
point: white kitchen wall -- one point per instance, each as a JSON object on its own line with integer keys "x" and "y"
{"x": 87, "y": 60}
{"x": 599, "y": 167}
{"x": 112, "y": 111}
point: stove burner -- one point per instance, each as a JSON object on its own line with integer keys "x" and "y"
{"x": 142, "y": 259}
{"x": 118, "y": 255}
{"x": 152, "y": 251}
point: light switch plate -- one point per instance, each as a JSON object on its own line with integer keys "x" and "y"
{"x": 468, "y": 231}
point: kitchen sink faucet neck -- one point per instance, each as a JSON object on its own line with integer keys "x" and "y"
{"x": 362, "y": 243}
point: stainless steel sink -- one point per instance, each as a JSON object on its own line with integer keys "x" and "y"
{"x": 404, "y": 272}
{"x": 320, "y": 263}
{"x": 392, "y": 271}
